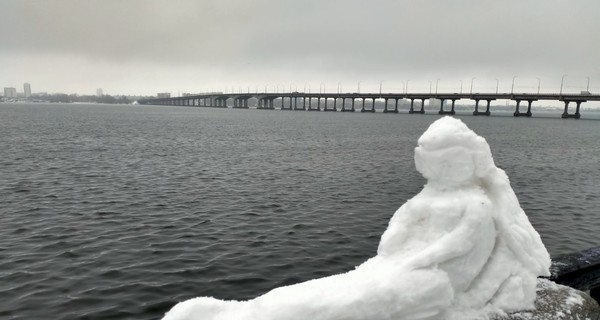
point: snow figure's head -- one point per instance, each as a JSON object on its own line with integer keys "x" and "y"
{"x": 450, "y": 154}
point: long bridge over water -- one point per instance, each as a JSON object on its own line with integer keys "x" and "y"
{"x": 345, "y": 102}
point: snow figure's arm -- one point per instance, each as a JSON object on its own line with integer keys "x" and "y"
{"x": 394, "y": 237}
{"x": 458, "y": 241}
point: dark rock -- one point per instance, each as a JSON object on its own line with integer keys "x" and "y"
{"x": 558, "y": 302}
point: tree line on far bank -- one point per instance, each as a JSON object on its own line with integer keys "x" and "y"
{"x": 67, "y": 98}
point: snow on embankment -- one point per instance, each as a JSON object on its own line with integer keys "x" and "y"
{"x": 460, "y": 249}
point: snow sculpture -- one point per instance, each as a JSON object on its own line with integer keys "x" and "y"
{"x": 460, "y": 249}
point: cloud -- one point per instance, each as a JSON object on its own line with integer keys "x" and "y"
{"x": 271, "y": 41}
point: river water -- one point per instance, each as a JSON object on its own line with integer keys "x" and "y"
{"x": 118, "y": 212}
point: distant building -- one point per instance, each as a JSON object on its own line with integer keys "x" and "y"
{"x": 27, "y": 90}
{"x": 99, "y": 92}
{"x": 163, "y": 95}
{"x": 10, "y": 92}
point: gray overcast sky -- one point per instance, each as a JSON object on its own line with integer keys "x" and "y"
{"x": 149, "y": 46}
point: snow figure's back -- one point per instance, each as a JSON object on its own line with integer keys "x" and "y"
{"x": 460, "y": 249}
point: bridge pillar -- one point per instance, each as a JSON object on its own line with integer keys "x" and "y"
{"x": 363, "y": 105}
{"x": 319, "y": 104}
{"x": 353, "y": 105}
{"x": 283, "y": 104}
{"x": 385, "y": 103}
{"x": 412, "y": 110}
{"x": 335, "y": 104}
{"x": 372, "y": 106}
{"x": 442, "y": 111}
{"x": 395, "y": 110}
{"x": 344, "y": 105}
{"x": 296, "y": 104}
{"x": 575, "y": 115}
{"x": 481, "y": 113}
{"x": 518, "y": 113}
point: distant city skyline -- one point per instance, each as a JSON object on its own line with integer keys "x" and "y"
{"x": 143, "y": 47}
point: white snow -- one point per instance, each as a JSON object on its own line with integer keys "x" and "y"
{"x": 460, "y": 249}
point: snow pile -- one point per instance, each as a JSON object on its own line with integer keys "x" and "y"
{"x": 460, "y": 249}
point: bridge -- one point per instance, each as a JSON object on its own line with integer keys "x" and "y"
{"x": 345, "y": 102}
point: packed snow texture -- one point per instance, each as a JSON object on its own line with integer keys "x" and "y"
{"x": 460, "y": 249}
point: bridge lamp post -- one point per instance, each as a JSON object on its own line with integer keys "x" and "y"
{"x": 437, "y": 81}
{"x": 358, "y": 90}
{"x": 539, "y": 83}
{"x": 562, "y": 80}
{"x": 472, "y": 79}
{"x": 461, "y": 85}
{"x": 430, "y": 83}
{"x": 513, "y": 85}
{"x": 588, "y": 84}
{"x": 497, "y": 83}
{"x": 339, "y": 87}
{"x": 406, "y": 89}
{"x": 380, "y": 85}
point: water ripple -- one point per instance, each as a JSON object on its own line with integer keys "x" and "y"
{"x": 119, "y": 212}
